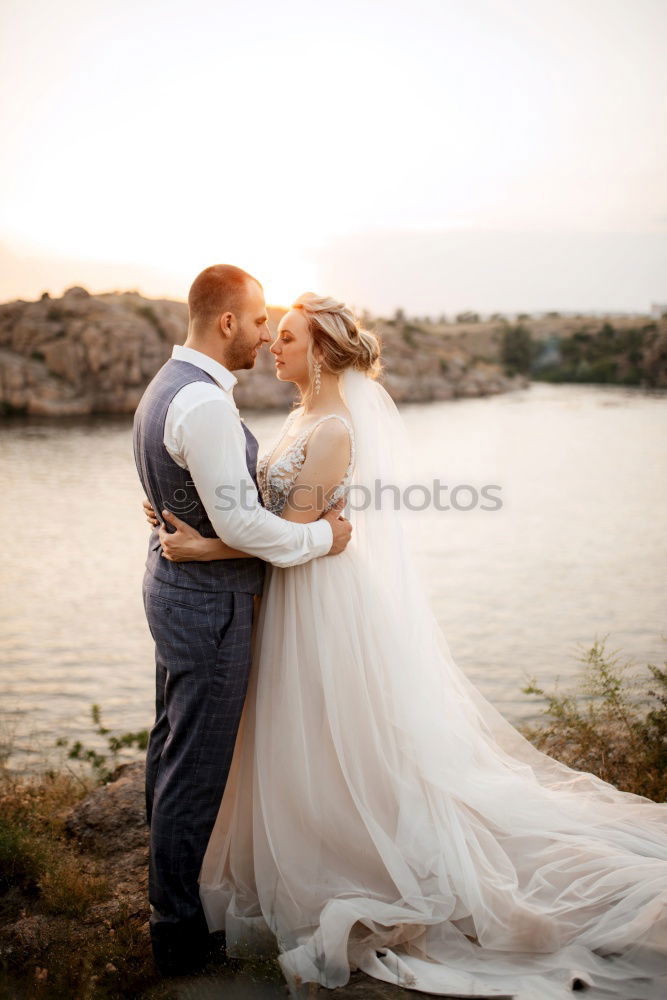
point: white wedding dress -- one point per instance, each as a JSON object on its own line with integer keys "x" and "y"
{"x": 380, "y": 814}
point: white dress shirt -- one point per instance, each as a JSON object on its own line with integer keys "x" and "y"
{"x": 203, "y": 433}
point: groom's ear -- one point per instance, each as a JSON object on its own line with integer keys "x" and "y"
{"x": 227, "y": 324}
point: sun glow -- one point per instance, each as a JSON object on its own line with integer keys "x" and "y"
{"x": 277, "y": 137}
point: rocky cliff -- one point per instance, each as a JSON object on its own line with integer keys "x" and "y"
{"x": 83, "y": 354}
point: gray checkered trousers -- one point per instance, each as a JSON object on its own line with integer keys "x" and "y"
{"x": 200, "y": 616}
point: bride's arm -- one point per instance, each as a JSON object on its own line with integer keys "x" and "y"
{"x": 185, "y": 544}
{"x": 327, "y": 460}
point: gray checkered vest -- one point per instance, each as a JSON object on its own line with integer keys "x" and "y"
{"x": 169, "y": 486}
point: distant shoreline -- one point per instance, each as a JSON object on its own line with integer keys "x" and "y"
{"x": 85, "y": 355}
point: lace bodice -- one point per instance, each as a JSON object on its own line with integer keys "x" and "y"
{"x": 276, "y": 476}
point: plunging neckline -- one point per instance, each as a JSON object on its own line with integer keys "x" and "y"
{"x": 271, "y": 460}
{"x": 276, "y": 474}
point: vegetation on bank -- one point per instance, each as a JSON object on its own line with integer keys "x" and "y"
{"x": 550, "y": 347}
{"x": 65, "y": 929}
{"x": 73, "y": 923}
{"x": 102, "y": 765}
{"x": 74, "y": 918}
{"x": 614, "y": 725}
{"x": 619, "y": 355}
{"x": 49, "y": 946}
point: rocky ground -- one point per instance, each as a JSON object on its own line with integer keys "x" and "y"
{"x": 83, "y": 354}
{"x": 107, "y": 947}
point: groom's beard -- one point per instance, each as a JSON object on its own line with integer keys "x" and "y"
{"x": 242, "y": 357}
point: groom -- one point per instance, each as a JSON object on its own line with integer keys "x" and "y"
{"x": 189, "y": 445}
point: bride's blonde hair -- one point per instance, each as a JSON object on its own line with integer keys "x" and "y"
{"x": 342, "y": 341}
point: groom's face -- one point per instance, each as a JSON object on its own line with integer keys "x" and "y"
{"x": 252, "y": 329}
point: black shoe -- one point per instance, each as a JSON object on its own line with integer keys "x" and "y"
{"x": 180, "y": 948}
{"x": 171, "y": 963}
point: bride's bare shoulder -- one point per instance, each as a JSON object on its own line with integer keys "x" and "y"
{"x": 330, "y": 441}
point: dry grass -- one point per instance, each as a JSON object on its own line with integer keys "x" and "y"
{"x": 54, "y": 941}
{"x": 33, "y": 853}
{"x": 67, "y": 929}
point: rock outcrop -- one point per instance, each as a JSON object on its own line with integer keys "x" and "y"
{"x": 83, "y": 354}
{"x": 111, "y": 820}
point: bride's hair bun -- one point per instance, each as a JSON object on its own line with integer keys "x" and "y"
{"x": 338, "y": 335}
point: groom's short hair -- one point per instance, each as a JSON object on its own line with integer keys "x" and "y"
{"x": 216, "y": 290}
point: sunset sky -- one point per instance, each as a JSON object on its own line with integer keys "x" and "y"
{"x": 431, "y": 154}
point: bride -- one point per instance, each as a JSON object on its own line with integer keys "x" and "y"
{"x": 380, "y": 814}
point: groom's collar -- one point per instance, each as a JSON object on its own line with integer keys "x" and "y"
{"x": 222, "y": 375}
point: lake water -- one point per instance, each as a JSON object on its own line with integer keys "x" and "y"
{"x": 578, "y": 550}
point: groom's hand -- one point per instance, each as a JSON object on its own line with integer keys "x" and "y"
{"x": 342, "y": 529}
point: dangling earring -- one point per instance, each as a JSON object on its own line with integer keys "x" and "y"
{"x": 318, "y": 373}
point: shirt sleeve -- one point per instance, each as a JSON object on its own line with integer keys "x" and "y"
{"x": 212, "y": 445}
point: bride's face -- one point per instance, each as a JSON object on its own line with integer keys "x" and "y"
{"x": 290, "y": 348}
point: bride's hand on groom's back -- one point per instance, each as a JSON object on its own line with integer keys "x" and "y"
{"x": 183, "y": 543}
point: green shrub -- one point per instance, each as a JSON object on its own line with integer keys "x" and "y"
{"x": 614, "y": 726}
{"x": 99, "y": 761}
{"x": 517, "y": 349}
{"x": 603, "y": 370}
